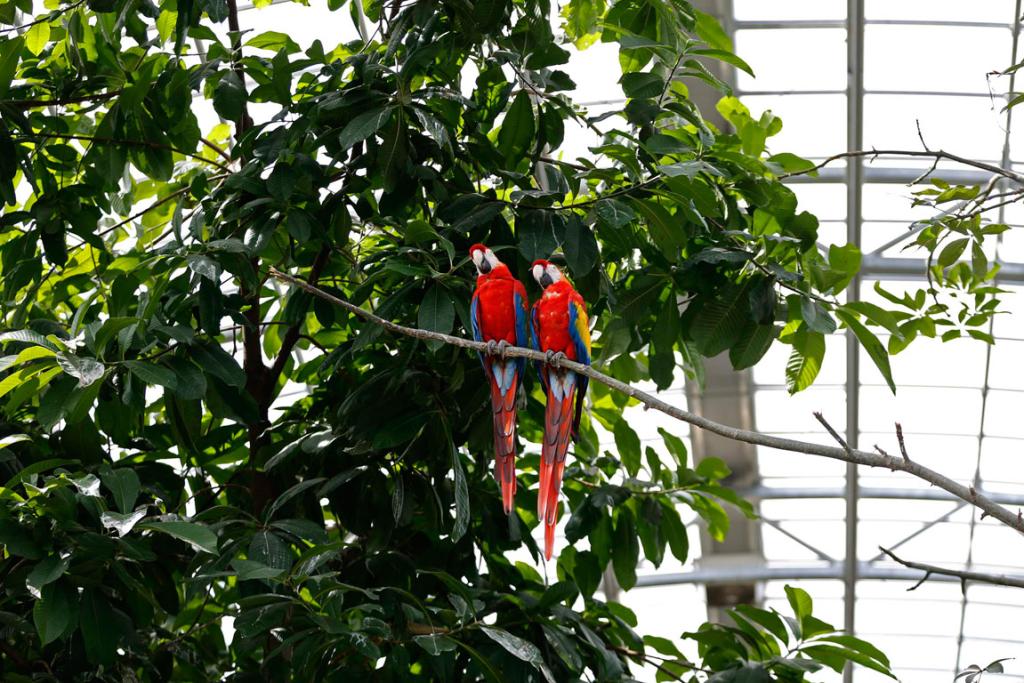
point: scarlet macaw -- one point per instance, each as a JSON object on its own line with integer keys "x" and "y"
{"x": 498, "y": 315}
{"x": 560, "y": 329}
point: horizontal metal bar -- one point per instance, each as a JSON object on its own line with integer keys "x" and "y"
{"x": 910, "y": 268}
{"x": 826, "y": 91}
{"x": 894, "y": 175}
{"x": 877, "y": 493}
{"x": 770, "y": 24}
{"x": 740, "y": 574}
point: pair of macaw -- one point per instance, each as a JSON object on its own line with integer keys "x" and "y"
{"x": 558, "y": 327}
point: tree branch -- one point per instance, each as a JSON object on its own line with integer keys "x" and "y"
{"x": 113, "y": 141}
{"x": 855, "y": 456}
{"x": 929, "y": 154}
{"x": 293, "y": 334}
{"x": 32, "y": 104}
{"x": 42, "y": 20}
{"x": 963, "y": 575}
{"x": 245, "y": 121}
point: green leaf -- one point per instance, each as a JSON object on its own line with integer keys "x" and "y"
{"x": 662, "y": 357}
{"x": 615, "y": 213}
{"x": 197, "y": 535}
{"x": 229, "y": 97}
{"x": 30, "y": 337}
{"x": 217, "y": 362}
{"x": 517, "y": 129}
{"x": 675, "y": 446}
{"x": 642, "y": 85}
{"x": 85, "y": 370}
{"x": 437, "y": 313}
{"x": 274, "y": 41}
{"x": 519, "y": 648}
{"x": 363, "y": 126}
{"x": 952, "y": 251}
{"x": 123, "y": 523}
{"x": 627, "y": 443}
{"x": 580, "y": 247}
{"x": 124, "y": 484}
{"x": 754, "y": 342}
{"x": 724, "y": 56}
{"x": 876, "y": 314}
{"x": 791, "y": 163}
{"x": 534, "y": 234}
{"x": 98, "y": 629}
{"x": 805, "y": 359}
{"x": 800, "y": 602}
{"x": 249, "y": 570}
{"x": 435, "y": 644}
{"x": 54, "y": 611}
{"x": 871, "y": 344}
{"x": 827, "y": 652}
{"x": 10, "y": 54}
{"x": 625, "y": 549}
{"x": 720, "y": 320}
{"x": 37, "y": 37}
{"x": 461, "y": 498}
{"x": 151, "y": 373}
{"x": 667, "y": 231}
{"x": 47, "y": 571}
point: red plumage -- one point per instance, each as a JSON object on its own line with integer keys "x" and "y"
{"x": 496, "y": 299}
{"x": 560, "y": 326}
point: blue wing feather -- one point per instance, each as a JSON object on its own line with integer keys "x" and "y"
{"x": 579, "y": 332}
{"x": 522, "y": 336}
{"x": 578, "y": 319}
{"x": 535, "y": 343}
{"x": 474, "y": 319}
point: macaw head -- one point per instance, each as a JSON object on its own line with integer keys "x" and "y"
{"x": 545, "y": 273}
{"x": 483, "y": 258}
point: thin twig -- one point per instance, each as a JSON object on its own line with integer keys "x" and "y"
{"x": 224, "y": 155}
{"x": 831, "y": 430}
{"x": 32, "y": 104}
{"x": 963, "y": 575}
{"x": 852, "y": 455}
{"x": 902, "y": 443}
{"x": 52, "y": 16}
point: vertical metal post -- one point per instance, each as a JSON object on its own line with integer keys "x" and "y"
{"x": 854, "y": 179}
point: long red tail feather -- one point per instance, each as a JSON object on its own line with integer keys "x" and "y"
{"x": 558, "y": 421}
{"x": 504, "y": 409}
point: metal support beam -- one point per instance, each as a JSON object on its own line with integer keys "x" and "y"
{"x": 876, "y": 267}
{"x": 854, "y": 180}
{"x": 874, "y": 493}
{"x": 740, "y": 574}
{"x": 896, "y": 175}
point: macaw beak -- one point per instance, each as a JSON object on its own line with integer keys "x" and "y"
{"x": 484, "y": 267}
{"x": 546, "y": 281}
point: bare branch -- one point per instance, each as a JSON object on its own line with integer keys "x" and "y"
{"x": 963, "y": 575}
{"x": 929, "y": 154}
{"x": 835, "y": 435}
{"x": 903, "y": 444}
{"x": 858, "y": 457}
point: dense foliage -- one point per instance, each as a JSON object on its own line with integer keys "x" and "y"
{"x": 185, "y": 441}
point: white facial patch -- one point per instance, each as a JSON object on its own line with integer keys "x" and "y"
{"x": 554, "y": 273}
{"x": 478, "y": 257}
{"x": 538, "y": 270}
